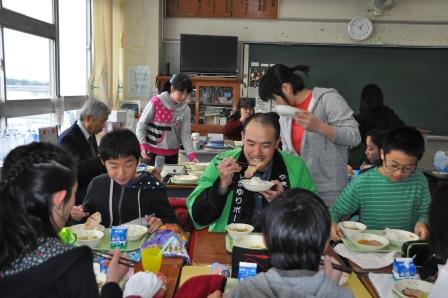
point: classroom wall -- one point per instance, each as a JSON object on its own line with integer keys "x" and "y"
{"x": 410, "y": 22}
{"x": 154, "y": 40}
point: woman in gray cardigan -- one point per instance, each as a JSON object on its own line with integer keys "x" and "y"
{"x": 320, "y": 131}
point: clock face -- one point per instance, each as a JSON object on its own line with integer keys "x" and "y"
{"x": 360, "y": 28}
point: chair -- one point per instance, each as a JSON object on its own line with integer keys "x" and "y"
{"x": 180, "y": 208}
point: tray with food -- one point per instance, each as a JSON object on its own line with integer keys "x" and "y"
{"x": 370, "y": 241}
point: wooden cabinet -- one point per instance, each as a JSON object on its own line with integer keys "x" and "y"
{"x": 211, "y": 101}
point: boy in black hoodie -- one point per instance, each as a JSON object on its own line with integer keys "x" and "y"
{"x": 122, "y": 195}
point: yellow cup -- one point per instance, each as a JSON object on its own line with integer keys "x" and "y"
{"x": 151, "y": 259}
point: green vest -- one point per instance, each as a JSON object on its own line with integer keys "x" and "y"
{"x": 297, "y": 173}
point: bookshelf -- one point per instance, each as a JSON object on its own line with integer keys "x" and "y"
{"x": 211, "y": 101}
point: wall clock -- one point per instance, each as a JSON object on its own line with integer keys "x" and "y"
{"x": 360, "y": 28}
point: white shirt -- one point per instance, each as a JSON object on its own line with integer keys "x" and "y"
{"x": 84, "y": 130}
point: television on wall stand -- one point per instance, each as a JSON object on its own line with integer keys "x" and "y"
{"x": 209, "y": 54}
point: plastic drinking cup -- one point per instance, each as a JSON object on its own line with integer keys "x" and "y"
{"x": 151, "y": 259}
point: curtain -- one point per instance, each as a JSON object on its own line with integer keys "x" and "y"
{"x": 105, "y": 82}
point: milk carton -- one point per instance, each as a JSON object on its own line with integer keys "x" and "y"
{"x": 403, "y": 268}
{"x": 118, "y": 237}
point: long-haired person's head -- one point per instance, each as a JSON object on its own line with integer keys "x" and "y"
{"x": 246, "y": 106}
{"x": 438, "y": 222}
{"x": 272, "y": 84}
{"x": 371, "y": 98}
{"x": 374, "y": 144}
{"x": 179, "y": 87}
{"x": 296, "y": 228}
{"x": 36, "y": 196}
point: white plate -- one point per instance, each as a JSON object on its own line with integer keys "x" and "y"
{"x": 420, "y": 285}
{"x": 135, "y": 231}
{"x": 184, "y": 179}
{"x": 286, "y": 110}
{"x": 398, "y": 237}
{"x": 256, "y": 187}
{"x": 367, "y": 236}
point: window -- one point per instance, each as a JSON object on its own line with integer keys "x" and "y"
{"x": 74, "y": 47}
{"x": 38, "y": 9}
{"x": 38, "y": 65}
{"x": 27, "y": 72}
{"x": 41, "y": 63}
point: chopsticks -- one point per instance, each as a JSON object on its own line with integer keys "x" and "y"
{"x": 122, "y": 261}
{"x": 345, "y": 269}
{"x": 243, "y": 164}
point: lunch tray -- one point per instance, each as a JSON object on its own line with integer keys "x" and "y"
{"x": 104, "y": 244}
{"x": 352, "y": 246}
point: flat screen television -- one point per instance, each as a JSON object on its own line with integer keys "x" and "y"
{"x": 208, "y": 54}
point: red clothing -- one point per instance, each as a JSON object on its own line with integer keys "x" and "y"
{"x": 233, "y": 128}
{"x": 297, "y": 130}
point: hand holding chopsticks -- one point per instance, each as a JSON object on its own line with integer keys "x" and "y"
{"x": 122, "y": 260}
{"x": 118, "y": 266}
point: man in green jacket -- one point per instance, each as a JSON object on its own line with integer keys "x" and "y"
{"x": 219, "y": 198}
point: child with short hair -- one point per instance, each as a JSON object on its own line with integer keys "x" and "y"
{"x": 393, "y": 195}
{"x": 122, "y": 195}
{"x": 296, "y": 229}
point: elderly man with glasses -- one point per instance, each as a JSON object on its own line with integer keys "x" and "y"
{"x": 393, "y": 195}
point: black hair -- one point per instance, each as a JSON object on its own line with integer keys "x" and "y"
{"x": 405, "y": 139}
{"x": 272, "y": 81}
{"x": 266, "y": 119}
{"x": 248, "y": 103}
{"x": 371, "y": 98}
{"x": 377, "y": 136}
{"x": 119, "y": 143}
{"x": 180, "y": 82}
{"x": 31, "y": 174}
{"x": 296, "y": 228}
{"x": 438, "y": 222}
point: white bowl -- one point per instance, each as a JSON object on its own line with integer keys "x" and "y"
{"x": 184, "y": 179}
{"x": 286, "y": 110}
{"x": 262, "y": 185}
{"x": 350, "y": 228}
{"x": 398, "y": 237}
{"x": 135, "y": 231}
{"x": 367, "y": 236}
{"x": 415, "y": 284}
{"x": 251, "y": 241}
{"x": 80, "y": 227}
{"x": 199, "y": 166}
{"x": 238, "y": 230}
{"x": 198, "y": 174}
{"x": 90, "y": 238}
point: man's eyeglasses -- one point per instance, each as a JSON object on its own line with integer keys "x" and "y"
{"x": 404, "y": 170}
